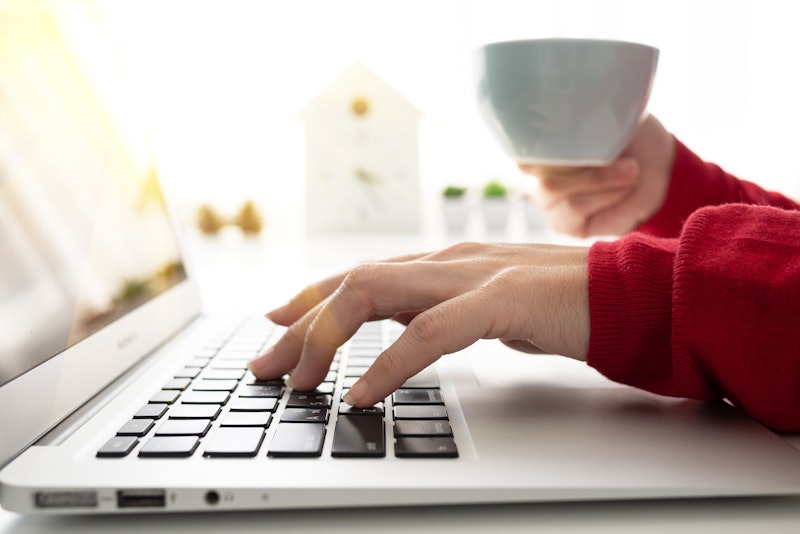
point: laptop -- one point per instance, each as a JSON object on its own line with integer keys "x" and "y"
{"x": 119, "y": 393}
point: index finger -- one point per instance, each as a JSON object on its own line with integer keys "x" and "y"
{"x": 311, "y": 295}
{"x": 446, "y": 328}
{"x": 372, "y": 291}
{"x": 566, "y": 181}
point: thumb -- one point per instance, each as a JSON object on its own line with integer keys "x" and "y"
{"x": 624, "y": 169}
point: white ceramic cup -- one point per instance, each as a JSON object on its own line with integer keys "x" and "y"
{"x": 572, "y": 102}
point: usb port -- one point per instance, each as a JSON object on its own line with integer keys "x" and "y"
{"x": 141, "y": 498}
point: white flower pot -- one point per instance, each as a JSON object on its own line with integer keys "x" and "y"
{"x": 456, "y": 214}
{"x": 534, "y": 219}
{"x": 495, "y": 214}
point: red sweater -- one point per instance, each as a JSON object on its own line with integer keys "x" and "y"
{"x": 703, "y": 300}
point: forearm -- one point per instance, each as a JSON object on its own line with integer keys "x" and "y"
{"x": 695, "y": 184}
{"x": 711, "y": 315}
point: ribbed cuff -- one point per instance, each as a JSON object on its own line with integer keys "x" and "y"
{"x": 630, "y": 302}
{"x": 693, "y": 184}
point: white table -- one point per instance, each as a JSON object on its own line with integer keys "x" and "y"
{"x": 227, "y": 262}
{"x": 728, "y": 516}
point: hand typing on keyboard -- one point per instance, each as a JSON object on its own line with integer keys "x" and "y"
{"x": 529, "y": 296}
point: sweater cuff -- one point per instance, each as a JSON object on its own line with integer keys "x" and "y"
{"x": 689, "y": 173}
{"x": 630, "y": 302}
{"x": 694, "y": 184}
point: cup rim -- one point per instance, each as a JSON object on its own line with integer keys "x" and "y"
{"x": 575, "y": 40}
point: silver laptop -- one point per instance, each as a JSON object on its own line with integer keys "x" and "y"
{"x": 119, "y": 394}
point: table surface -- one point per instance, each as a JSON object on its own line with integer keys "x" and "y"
{"x": 735, "y": 515}
{"x": 225, "y": 260}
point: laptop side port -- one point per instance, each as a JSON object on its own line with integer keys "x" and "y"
{"x": 141, "y": 498}
{"x": 66, "y": 499}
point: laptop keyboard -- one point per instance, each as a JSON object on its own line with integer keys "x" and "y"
{"x": 214, "y": 407}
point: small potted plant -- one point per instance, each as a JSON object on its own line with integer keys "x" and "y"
{"x": 455, "y": 208}
{"x": 496, "y": 206}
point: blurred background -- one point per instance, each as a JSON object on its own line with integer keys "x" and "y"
{"x": 224, "y": 84}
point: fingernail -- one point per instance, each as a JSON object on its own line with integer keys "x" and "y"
{"x": 356, "y": 393}
{"x": 256, "y": 365}
{"x": 271, "y": 312}
{"x": 294, "y": 379}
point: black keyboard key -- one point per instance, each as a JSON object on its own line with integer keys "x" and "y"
{"x": 261, "y": 419}
{"x": 427, "y": 447}
{"x": 237, "y": 354}
{"x": 348, "y": 381}
{"x": 253, "y": 404}
{"x": 195, "y": 411}
{"x": 417, "y": 427}
{"x": 169, "y": 447}
{"x": 178, "y": 383}
{"x": 297, "y": 440}
{"x": 198, "y": 361}
{"x": 426, "y": 411}
{"x": 425, "y": 379}
{"x": 184, "y": 427}
{"x": 325, "y": 388}
{"x": 361, "y": 361}
{"x": 214, "y": 385}
{"x": 240, "y": 364}
{"x": 136, "y": 427}
{"x": 346, "y": 409}
{"x": 151, "y": 411}
{"x": 303, "y": 399}
{"x": 208, "y": 352}
{"x": 205, "y": 397}
{"x": 355, "y": 372}
{"x": 235, "y": 442}
{"x": 187, "y": 372}
{"x": 417, "y": 396}
{"x": 223, "y": 374}
{"x": 253, "y": 381}
{"x": 261, "y": 391}
{"x": 331, "y": 376}
{"x": 305, "y": 415}
{"x": 165, "y": 396}
{"x": 359, "y": 436}
{"x": 117, "y": 447}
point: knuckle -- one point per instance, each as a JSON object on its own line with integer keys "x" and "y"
{"x": 360, "y": 282}
{"x": 317, "y": 336}
{"x": 504, "y": 280}
{"x": 294, "y": 336}
{"x": 362, "y": 276}
{"x": 466, "y": 248}
{"x": 390, "y": 364}
{"x": 427, "y": 327}
{"x": 501, "y": 294}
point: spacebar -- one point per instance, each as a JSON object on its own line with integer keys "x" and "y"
{"x": 359, "y": 436}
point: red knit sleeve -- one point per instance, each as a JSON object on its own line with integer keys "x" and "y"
{"x": 694, "y": 184}
{"x": 714, "y": 314}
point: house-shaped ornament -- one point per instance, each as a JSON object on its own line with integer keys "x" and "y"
{"x": 362, "y": 157}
